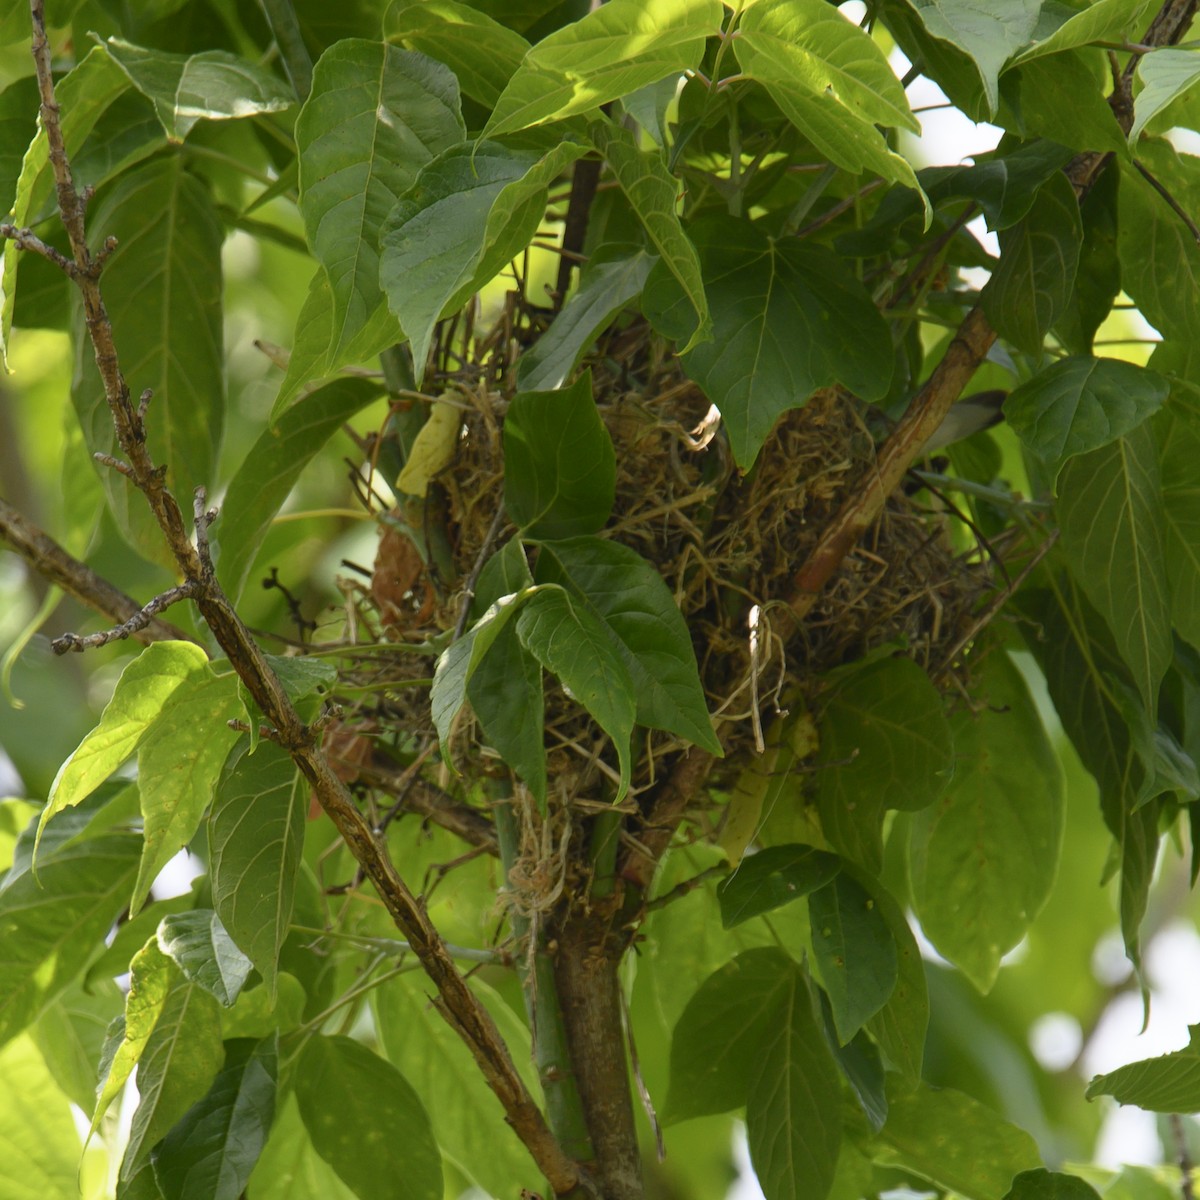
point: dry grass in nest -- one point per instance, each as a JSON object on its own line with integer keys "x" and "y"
{"x": 727, "y": 544}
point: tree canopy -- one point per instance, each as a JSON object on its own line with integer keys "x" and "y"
{"x": 472, "y": 477}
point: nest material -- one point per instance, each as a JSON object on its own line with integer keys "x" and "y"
{"x": 727, "y": 544}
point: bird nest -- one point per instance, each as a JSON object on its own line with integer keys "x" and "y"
{"x": 728, "y": 545}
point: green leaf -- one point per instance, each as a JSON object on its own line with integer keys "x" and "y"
{"x": 149, "y": 983}
{"x": 167, "y": 262}
{"x": 1079, "y": 404}
{"x": 1061, "y": 97}
{"x": 652, "y": 192}
{"x": 983, "y": 860}
{"x": 1166, "y": 73}
{"x": 990, "y": 33}
{"x": 255, "y": 835}
{"x": 481, "y": 52}
{"x": 833, "y": 82}
{"x": 885, "y": 743}
{"x": 142, "y": 691}
{"x": 1101, "y": 21}
{"x": 721, "y": 1032}
{"x": 587, "y": 657}
{"x": 467, "y": 1123}
{"x": 1098, "y": 280}
{"x": 603, "y": 291}
{"x": 793, "y": 1118}
{"x": 771, "y": 878}
{"x": 376, "y": 115}
{"x": 1160, "y": 261}
{"x": 180, "y": 1061}
{"x": 198, "y": 944}
{"x": 41, "y": 1146}
{"x": 70, "y": 1035}
{"x": 210, "y": 86}
{"x": 1178, "y": 432}
{"x": 471, "y": 210}
{"x": 84, "y": 94}
{"x": 349, "y": 1098}
{"x": 1111, "y": 515}
{"x": 788, "y": 318}
{"x": 854, "y": 953}
{"x": 948, "y": 1138}
{"x": 289, "y": 1168}
{"x": 1038, "y": 259}
{"x": 210, "y": 1153}
{"x": 609, "y": 53}
{"x": 50, "y": 925}
{"x": 1167, "y": 1084}
{"x": 560, "y": 467}
{"x": 315, "y": 351}
{"x": 1040, "y": 1184}
{"x": 629, "y": 595}
{"x": 271, "y": 467}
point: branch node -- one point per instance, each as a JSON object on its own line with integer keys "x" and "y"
{"x": 117, "y": 465}
{"x": 266, "y": 732}
{"x": 144, "y": 400}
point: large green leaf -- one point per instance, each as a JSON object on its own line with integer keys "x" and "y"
{"x": 70, "y": 1035}
{"x": 376, "y": 115}
{"x": 605, "y": 288}
{"x": 588, "y": 658}
{"x": 471, "y": 210}
{"x": 41, "y": 1146}
{"x": 212, "y": 1150}
{"x": 179, "y": 761}
{"x": 1178, "y": 431}
{"x": 1038, "y": 259}
{"x": 1040, "y": 1184}
{"x": 481, "y": 52}
{"x": 885, "y": 743}
{"x": 793, "y": 1122}
{"x": 611, "y": 52}
{"x": 631, "y": 598}
{"x": 854, "y": 953}
{"x": 771, "y": 878}
{"x": 1103, "y": 20}
{"x": 255, "y": 834}
{"x": 271, "y": 467}
{"x": 989, "y": 33}
{"x": 947, "y": 1137}
{"x": 167, "y": 267}
{"x": 1167, "y": 1084}
{"x": 1079, "y": 404}
{"x": 180, "y": 1061}
{"x": 349, "y": 1098}
{"x": 198, "y": 944}
{"x": 721, "y": 1032}
{"x": 210, "y": 86}
{"x": 289, "y": 1168}
{"x": 831, "y": 79}
{"x": 51, "y": 924}
{"x": 652, "y": 192}
{"x": 142, "y": 691}
{"x": 982, "y": 860}
{"x": 1098, "y": 280}
{"x": 1166, "y": 74}
{"x": 466, "y": 1119}
{"x": 788, "y": 318}
{"x": 1111, "y": 514}
{"x": 84, "y": 94}
{"x": 560, "y": 467}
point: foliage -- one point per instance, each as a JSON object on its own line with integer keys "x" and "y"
{"x": 644, "y": 678}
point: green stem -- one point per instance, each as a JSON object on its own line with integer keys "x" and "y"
{"x": 285, "y": 29}
{"x": 564, "y": 1108}
{"x": 602, "y": 850}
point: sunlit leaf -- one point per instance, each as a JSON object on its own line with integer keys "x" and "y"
{"x": 198, "y": 944}
{"x": 1104, "y": 20}
{"x": 1168, "y": 1084}
{"x": 1166, "y": 74}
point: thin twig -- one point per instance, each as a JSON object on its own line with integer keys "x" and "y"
{"x": 1182, "y": 1157}
{"x": 1174, "y": 204}
{"x": 485, "y": 550}
{"x": 138, "y": 621}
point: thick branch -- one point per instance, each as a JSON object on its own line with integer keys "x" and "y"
{"x": 77, "y": 579}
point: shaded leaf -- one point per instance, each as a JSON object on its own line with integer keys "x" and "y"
{"x": 560, "y": 467}
{"x": 210, "y": 86}
{"x": 1178, "y": 433}
{"x": 70, "y": 1035}
{"x": 1040, "y": 1184}
{"x": 610, "y": 52}
{"x": 349, "y": 1098}
{"x": 289, "y": 1167}
{"x": 787, "y": 319}
{"x": 1098, "y": 280}
{"x": 255, "y": 835}
{"x": 1167, "y": 1084}
{"x": 771, "y": 878}
{"x": 1079, "y": 404}
{"x": 375, "y": 116}
{"x": 198, "y": 944}
{"x": 1111, "y": 515}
